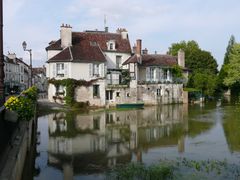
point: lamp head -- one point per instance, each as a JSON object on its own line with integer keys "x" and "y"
{"x": 24, "y": 45}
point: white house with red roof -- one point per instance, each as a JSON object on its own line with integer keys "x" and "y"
{"x": 108, "y": 59}
{"x": 87, "y": 56}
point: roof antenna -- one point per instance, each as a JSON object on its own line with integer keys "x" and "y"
{"x": 105, "y": 23}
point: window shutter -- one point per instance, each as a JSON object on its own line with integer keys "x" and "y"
{"x": 90, "y": 70}
{"x": 160, "y": 74}
{"x": 157, "y": 74}
{"x": 147, "y": 74}
{"x": 102, "y": 68}
{"x": 66, "y": 70}
{"x": 54, "y": 70}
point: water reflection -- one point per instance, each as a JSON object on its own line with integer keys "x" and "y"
{"x": 93, "y": 142}
{"x": 85, "y": 145}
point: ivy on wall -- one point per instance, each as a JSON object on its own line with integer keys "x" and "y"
{"x": 70, "y": 85}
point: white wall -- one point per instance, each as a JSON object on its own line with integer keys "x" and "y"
{"x": 111, "y": 58}
{"x": 52, "y": 53}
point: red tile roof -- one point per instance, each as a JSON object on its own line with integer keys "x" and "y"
{"x": 88, "y": 46}
{"x": 152, "y": 60}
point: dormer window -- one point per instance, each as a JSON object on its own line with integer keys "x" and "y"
{"x": 111, "y": 45}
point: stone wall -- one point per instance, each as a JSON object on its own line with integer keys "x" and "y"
{"x": 153, "y": 94}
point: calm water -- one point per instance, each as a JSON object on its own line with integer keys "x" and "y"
{"x": 83, "y": 146}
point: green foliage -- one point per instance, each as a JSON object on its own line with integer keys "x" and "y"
{"x": 24, "y": 104}
{"x": 201, "y": 63}
{"x": 233, "y": 67}
{"x": 177, "y": 71}
{"x": 70, "y": 85}
{"x": 140, "y": 171}
{"x": 205, "y": 82}
{"x": 126, "y": 77}
{"x": 223, "y": 71}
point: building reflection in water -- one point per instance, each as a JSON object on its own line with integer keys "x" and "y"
{"x": 93, "y": 142}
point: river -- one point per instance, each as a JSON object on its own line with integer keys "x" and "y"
{"x": 83, "y": 145}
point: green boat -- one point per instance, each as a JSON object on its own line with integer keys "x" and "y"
{"x": 130, "y": 105}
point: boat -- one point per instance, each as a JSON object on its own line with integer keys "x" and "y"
{"x": 130, "y": 105}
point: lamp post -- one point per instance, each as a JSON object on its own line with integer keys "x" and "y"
{"x": 24, "y": 45}
{"x": 1, "y": 56}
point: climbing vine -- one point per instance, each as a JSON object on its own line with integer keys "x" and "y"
{"x": 70, "y": 85}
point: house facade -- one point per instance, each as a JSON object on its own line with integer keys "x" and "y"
{"x": 16, "y": 74}
{"x": 152, "y": 77}
{"x": 89, "y": 55}
{"x": 120, "y": 75}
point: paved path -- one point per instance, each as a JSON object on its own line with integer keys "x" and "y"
{"x": 47, "y": 104}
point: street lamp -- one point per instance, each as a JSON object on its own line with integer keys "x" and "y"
{"x": 24, "y": 45}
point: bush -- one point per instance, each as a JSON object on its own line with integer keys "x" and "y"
{"x": 24, "y": 104}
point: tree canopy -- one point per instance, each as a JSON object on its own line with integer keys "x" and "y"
{"x": 196, "y": 59}
{"x": 202, "y": 64}
{"x": 223, "y": 73}
{"x": 233, "y": 67}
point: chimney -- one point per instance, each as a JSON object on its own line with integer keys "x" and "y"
{"x": 134, "y": 49}
{"x": 181, "y": 58}
{"x": 145, "y": 51}
{"x": 123, "y": 32}
{"x": 11, "y": 55}
{"x": 106, "y": 29}
{"x": 139, "y": 47}
{"x": 66, "y": 36}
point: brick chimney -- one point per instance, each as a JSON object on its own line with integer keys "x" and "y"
{"x": 66, "y": 35}
{"x": 181, "y": 58}
{"x": 139, "y": 47}
{"x": 145, "y": 51}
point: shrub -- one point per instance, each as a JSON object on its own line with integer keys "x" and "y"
{"x": 24, "y": 104}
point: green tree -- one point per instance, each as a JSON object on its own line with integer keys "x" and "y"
{"x": 206, "y": 82}
{"x": 223, "y": 73}
{"x": 195, "y": 58}
{"x": 233, "y": 67}
{"x": 202, "y": 64}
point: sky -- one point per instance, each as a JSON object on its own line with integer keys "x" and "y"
{"x": 159, "y": 23}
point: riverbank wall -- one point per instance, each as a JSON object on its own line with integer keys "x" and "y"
{"x": 16, "y": 152}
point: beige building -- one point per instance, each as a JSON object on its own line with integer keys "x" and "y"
{"x": 121, "y": 75}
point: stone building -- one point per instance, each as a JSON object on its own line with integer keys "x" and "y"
{"x": 120, "y": 75}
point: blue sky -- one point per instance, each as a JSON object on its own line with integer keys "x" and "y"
{"x": 159, "y": 23}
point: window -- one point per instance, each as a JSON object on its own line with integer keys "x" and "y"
{"x": 165, "y": 74}
{"x": 151, "y": 74}
{"x": 96, "y": 69}
{"x": 158, "y": 92}
{"x": 21, "y": 69}
{"x": 21, "y": 78}
{"x": 109, "y": 95}
{"x": 93, "y": 43}
{"x": 118, "y": 94}
{"x": 60, "y": 69}
{"x": 96, "y": 91}
{"x": 118, "y": 61}
{"x": 111, "y": 46}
